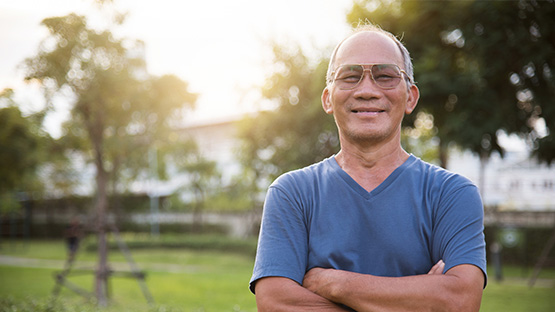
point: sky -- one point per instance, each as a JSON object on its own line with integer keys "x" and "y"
{"x": 230, "y": 38}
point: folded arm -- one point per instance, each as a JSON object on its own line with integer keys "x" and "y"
{"x": 283, "y": 294}
{"x": 459, "y": 289}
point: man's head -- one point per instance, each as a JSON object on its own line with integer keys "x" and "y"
{"x": 366, "y": 91}
{"x": 407, "y": 62}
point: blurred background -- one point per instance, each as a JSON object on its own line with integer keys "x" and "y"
{"x": 148, "y": 132}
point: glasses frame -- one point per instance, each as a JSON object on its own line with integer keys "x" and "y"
{"x": 369, "y": 69}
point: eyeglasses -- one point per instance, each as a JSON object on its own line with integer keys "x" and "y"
{"x": 386, "y": 76}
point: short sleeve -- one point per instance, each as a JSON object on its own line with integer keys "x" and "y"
{"x": 283, "y": 241}
{"x": 459, "y": 227}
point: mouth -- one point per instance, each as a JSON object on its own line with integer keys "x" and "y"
{"x": 367, "y": 110}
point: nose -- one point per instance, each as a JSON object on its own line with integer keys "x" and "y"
{"x": 367, "y": 87}
{"x": 366, "y": 73}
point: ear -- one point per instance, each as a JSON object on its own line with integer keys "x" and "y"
{"x": 414, "y": 95}
{"x": 326, "y": 101}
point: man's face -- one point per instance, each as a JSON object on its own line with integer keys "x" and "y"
{"x": 369, "y": 113}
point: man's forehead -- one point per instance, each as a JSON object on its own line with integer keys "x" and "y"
{"x": 370, "y": 47}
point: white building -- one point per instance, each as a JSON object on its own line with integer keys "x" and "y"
{"x": 515, "y": 182}
{"x": 217, "y": 141}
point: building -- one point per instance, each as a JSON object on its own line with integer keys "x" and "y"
{"x": 217, "y": 141}
{"x": 516, "y": 189}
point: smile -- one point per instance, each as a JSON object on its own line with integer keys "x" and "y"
{"x": 368, "y": 110}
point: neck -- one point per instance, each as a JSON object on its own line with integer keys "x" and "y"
{"x": 369, "y": 165}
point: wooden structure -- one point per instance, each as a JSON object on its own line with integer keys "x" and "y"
{"x": 135, "y": 272}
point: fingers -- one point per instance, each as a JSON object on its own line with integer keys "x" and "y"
{"x": 437, "y": 268}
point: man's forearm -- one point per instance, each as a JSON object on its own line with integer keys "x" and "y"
{"x": 283, "y": 294}
{"x": 460, "y": 289}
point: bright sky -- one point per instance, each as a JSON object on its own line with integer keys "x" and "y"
{"x": 185, "y": 38}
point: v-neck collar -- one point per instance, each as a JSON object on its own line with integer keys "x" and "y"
{"x": 359, "y": 189}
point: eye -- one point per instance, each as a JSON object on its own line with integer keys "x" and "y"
{"x": 385, "y": 72}
{"x": 349, "y": 74}
{"x": 385, "y": 77}
{"x": 351, "y": 77}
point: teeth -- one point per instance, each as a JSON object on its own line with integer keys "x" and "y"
{"x": 376, "y": 111}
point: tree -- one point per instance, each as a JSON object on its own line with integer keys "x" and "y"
{"x": 516, "y": 43}
{"x": 24, "y": 149}
{"x": 202, "y": 175}
{"x": 119, "y": 110}
{"x": 297, "y": 133}
{"x": 421, "y": 139}
{"x": 481, "y": 66}
{"x": 17, "y": 156}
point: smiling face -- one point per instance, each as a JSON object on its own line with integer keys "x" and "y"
{"x": 368, "y": 113}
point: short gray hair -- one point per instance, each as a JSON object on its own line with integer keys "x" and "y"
{"x": 374, "y": 28}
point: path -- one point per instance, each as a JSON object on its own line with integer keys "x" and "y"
{"x": 117, "y": 266}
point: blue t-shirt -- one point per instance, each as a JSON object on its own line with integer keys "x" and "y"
{"x": 320, "y": 217}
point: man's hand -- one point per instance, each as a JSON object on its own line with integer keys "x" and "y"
{"x": 437, "y": 268}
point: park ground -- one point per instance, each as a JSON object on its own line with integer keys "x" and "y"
{"x": 209, "y": 275}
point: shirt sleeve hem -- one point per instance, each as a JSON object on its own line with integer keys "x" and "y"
{"x": 253, "y": 281}
{"x": 447, "y": 268}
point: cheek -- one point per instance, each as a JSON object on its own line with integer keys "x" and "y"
{"x": 336, "y": 104}
{"x": 401, "y": 104}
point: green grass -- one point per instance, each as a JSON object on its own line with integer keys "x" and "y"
{"x": 517, "y": 296}
{"x": 179, "y": 280}
{"x": 200, "y": 280}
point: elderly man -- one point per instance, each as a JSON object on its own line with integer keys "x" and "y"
{"x": 371, "y": 228}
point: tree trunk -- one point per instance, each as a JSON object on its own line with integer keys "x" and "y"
{"x": 96, "y": 128}
{"x": 101, "y": 285}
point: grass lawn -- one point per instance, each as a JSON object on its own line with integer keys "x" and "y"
{"x": 193, "y": 280}
{"x": 179, "y": 280}
{"x": 518, "y": 297}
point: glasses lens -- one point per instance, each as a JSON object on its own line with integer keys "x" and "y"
{"x": 386, "y": 76}
{"x": 348, "y": 76}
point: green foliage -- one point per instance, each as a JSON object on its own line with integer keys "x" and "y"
{"x": 421, "y": 139}
{"x": 481, "y": 66}
{"x": 24, "y": 148}
{"x": 20, "y": 154}
{"x": 234, "y": 198}
{"x": 203, "y": 178}
{"x": 120, "y": 111}
{"x": 18, "y": 148}
{"x": 297, "y": 133}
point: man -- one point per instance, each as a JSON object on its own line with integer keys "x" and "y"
{"x": 371, "y": 228}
